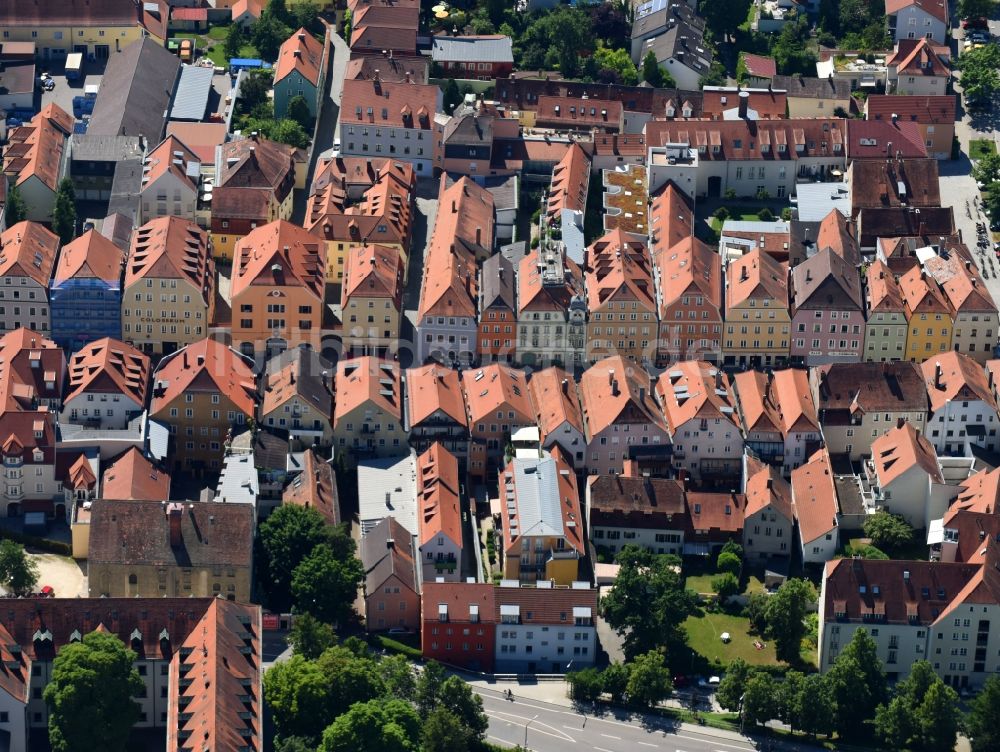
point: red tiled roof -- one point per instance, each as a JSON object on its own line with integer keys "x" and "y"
{"x": 613, "y": 390}
{"x": 134, "y": 476}
{"x": 89, "y": 256}
{"x": 691, "y": 390}
{"x": 710, "y": 512}
{"x": 439, "y": 510}
{"x": 814, "y": 497}
{"x": 315, "y": 487}
{"x": 373, "y": 271}
{"x": 879, "y": 139}
{"x": 900, "y": 449}
{"x": 769, "y": 104}
{"x": 301, "y": 52}
{"x": 759, "y": 65}
{"x": 170, "y": 156}
{"x": 494, "y": 387}
{"x": 556, "y": 399}
{"x": 961, "y": 378}
{"x": 618, "y": 270}
{"x": 801, "y": 139}
{"x": 107, "y": 366}
{"x": 570, "y": 180}
{"x": 926, "y": 110}
{"x": 172, "y": 248}
{"x": 279, "y": 255}
{"x": 204, "y": 366}
{"x": 367, "y": 380}
{"x": 28, "y": 249}
{"x": 935, "y": 8}
{"x": 36, "y": 149}
{"x": 389, "y": 105}
{"x": 431, "y": 388}
{"x": 765, "y": 487}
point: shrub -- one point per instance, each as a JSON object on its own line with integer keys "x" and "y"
{"x": 765, "y": 214}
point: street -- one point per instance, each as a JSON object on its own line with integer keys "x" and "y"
{"x": 557, "y": 728}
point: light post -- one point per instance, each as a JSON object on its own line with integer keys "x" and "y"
{"x": 526, "y": 730}
{"x": 742, "y": 711}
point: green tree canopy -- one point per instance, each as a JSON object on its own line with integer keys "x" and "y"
{"x": 304, "y": 14}
{"x": 979, "y": 72}
{"x": 615, "y": 66}
{"x": 760, "y": 700}
{"x": 325, "y": 584}
{"x": 648, "y": 602}
{"x": 268, "y": 33}
{"x": 444, "y": 732}
{"x": 18, "y": 571}
{"x": 814, "y": 705}
{"x": 725, "y": 585}
{"x": 284, "y": 539}
{"x": 310, "y": 637}
{"x": 733, "y": 685}
{"x": 236, "y": 37}
{"x": 253, "y": 91}
{"x": 458, "y": 697}
{"x": 982, "y": 723}
{"x": 429, "y": 687}
{"x": 976, "y": 8}
{"x": 649, "y": 680}
{"x": 377, "y": 724}
{"x": 923, "y": 715}
{"x": 887, "y": 531}
{"x": 64, "y": 212}
{"x": 585, "y": 685}
{"x": 90, "y": 695}
{"x": 723, "y": 17}
{"x": 298, "y": 112}
{"x": 785, "y": 614}
{"x": 300, "y": 696}
{"x": 15, "y": 210}
{"x": 858, "y": 684}
{"x": 729, "y": 561}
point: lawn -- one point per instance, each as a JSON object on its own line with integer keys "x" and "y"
{"x": 981, "y": 147}
{"x": 213, "y": 45}
{"x": 703, "y": 638}
{"x": 737, "y": 213}
{"x": 700, "y": 583}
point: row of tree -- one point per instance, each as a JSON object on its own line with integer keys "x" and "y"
{"x": 63, "y": 211}
{"x": 854, "y": 700}
{"x": 642, "y": 682}
{"x": 269, "y": 32}
{"x": 348, "y": 699}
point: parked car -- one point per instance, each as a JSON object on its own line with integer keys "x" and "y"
{"x": 975, "y": 23}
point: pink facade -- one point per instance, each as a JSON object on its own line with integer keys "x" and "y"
{"x": 822, "y": 336}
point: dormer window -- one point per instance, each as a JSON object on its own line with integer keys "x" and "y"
{"x": 670, "y": 110}
{"x": 686, "y": 112}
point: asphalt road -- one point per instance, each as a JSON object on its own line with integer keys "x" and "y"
{"x": 556, "y": 728}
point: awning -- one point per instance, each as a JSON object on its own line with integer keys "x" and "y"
{"x": 935, "y": 532}
{"x": 510, "y": 610}
{"x": 581, "y": 612}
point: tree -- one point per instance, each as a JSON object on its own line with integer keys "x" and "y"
{"x": 785, "y": 613}
{"x": 585, "y": 685}
{"x": 887, "y": 531}
{"x": 287, "y": 132}
{"x": 733, "y": 685}
{"x": 724, "y": 16}
{"x": 790, "y": 49}
{"x": 652, "y": 73}
{"x": 16, "y": 210}
{"x": 293, "y": 744}
{"x": 760, "y": 703}
{"x": 725, "y": 586}
{"x": 300, "y": 697}
{"x": 615, "y": 681}
{"x": 285, "y": 538}
{"x": 816, "y": 712}
{"x": 253, "y": 92}
{"x": 236, "y": 37}
{"x": 398, "y": 676}
{"x": 452, "y": 96}
{"x": 858, "y": 685}
{"x": 765, "y": 214}
{"x": 615, "y": 66}
{"x": 721, "y": 214}
{"x": 444, "y": 732}
{"x": 756, "y": 612}
{"x": 354, "y": 678}
{"x": 429, "y": 687}
{"x": 649, "y": 680}
{"x": 982, "y": 722}
{"x": 979, "y": 73}
{"x": 648, "y": 602}
{"x": 304, "y": 14}
{"x": 269, "y": 33}
{"x": 923, "y": 715}
{"x": 975, "y": 8}
{"x": 278, "y": 9}
{"x": 64, "y": 211}
{"x": 18, "y": 571}
{"x": 90, "y": 695}
{"x": 310, "y": 637}
{"x": 377, "y": 724}
{"x": 986, "y": 170}
{"x": 729, "y": 561}
{"x": 298, "y": 111}
{"x": 458, "y": 697}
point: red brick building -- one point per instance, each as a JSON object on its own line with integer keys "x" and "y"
{"x": 458, "y": 622}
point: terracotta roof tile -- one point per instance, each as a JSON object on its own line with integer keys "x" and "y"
{"x": 89, "y": 256}
{"x": 279, "y": 255}
{"x": 759, "y": 65}
{"x": 878, "y": 139}
{"x": 373, "y": 271}
{"x": 613, "y": 390}
{"x": 172, "y": 248}
{"x": 36, "y": 149}
{"x": 936, "y": 8}
{"x": 298, "y": 372}
{"x": 904, "y": 182}
{"x": 802, "y": 138}
{"x": 301, "y": 52}
{"x": 439, "y": 510}
{"x": 28, "y": 249}
{"x": 204, "y": 366}
{"x": 367, "y": 380}
{"x": 921, "y": 294}
{"x": 917, "y": 58}
{"x": 768, "y": 104}
{"x": 815, "y": 497}
{"x": 961, "y": 378}
{"x": 759, "y": 276}
{"x": 689, "y": 267}
{"x": 536, "y": 293}
{"x": 106, "y": 366}
{"x": 174, "y": 157}
{"x": 389, "y": 105}
{"x": 694, "y": 390}
{"x": 927, "y": 110}
{"x": 900, "y": 449}
{"x": 432, "y": 388}
{"x": 835, "y": 234}
{"x": 315, "y": 487}
{"x": 494, "y": 387}
{"x": 883, "y": 293}
{"x": 134, "y": 477}
{"x": 765, "y": 487}
{"x": 826, "y": 281}
{"x": 620, "y": 269}
{"x": 570, "y": 180}
{"x": 578, "y": 114}
{"x": 557, "y": 401}
{"x": 716, "y": 513}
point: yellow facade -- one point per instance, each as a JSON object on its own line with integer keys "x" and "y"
{"x": 928, "y": 334}
{"x": 59, "y": 41}
{"x": 116, "y": 581}
{"x": 757, "y": 333}
{"x": 80, "y": 532}
{"x": 199, "y": 422}
{"x": 561, "y": 563}
{"x": 370, "y": 325}
{"x": 163, "y": 315}
{"x": 336, "y": 258}
{"x": 223, "y": 239}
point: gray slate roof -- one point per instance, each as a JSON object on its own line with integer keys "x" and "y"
{"x": 498, "y": 283}
{"x": 135, "y": 92}
{"x": 491, "y": 49}
{"x": 381, "y": 560}
{"x": 193, "y": 90}
{"x": 812, "y": 87}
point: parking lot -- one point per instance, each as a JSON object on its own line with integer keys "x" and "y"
{"x": 64, "y": 91}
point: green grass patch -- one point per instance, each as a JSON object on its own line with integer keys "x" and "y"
{"x": 700, "y": 583}
{"x": 218, "y": 33}
{"x": 395, "y": 646}
{"x": 704, "y": 639}
{"x": 981, "y": 147}
{"x": 737, "y": 213}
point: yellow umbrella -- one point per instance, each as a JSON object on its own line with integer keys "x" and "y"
{"x": 439, "y": 8}
{"x": 441, "y": 14}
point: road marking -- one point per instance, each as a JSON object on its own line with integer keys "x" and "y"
{"x": 601, "y": 749}
{"x": 647, "y": 744}
{"x": 537, "y": 726}
{"x": 502, "y": 741}
{"x": 608, "y": 736}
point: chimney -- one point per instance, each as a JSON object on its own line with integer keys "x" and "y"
{"x": 937, "y": 375}
{"x": 744, "y": 103}
{"x": 302, "y": 36}
{"x": 611, "y": 376}
{"x": 390, "y": 544}
{"x": 642, "y": 394}
{"x": 614, "y": 387}
{"x": 744, "y": 274}
{"x": 297, "y": 53}
{"x": 407, "y": 77}
{"x": 565, "y": 385}
{"x": 718, "y": 379}
{"x": 895, "y": 117}
{"x": 175, "y": 513}
{"x": 906, "y": 575}
{"x": 185, "y": 359}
